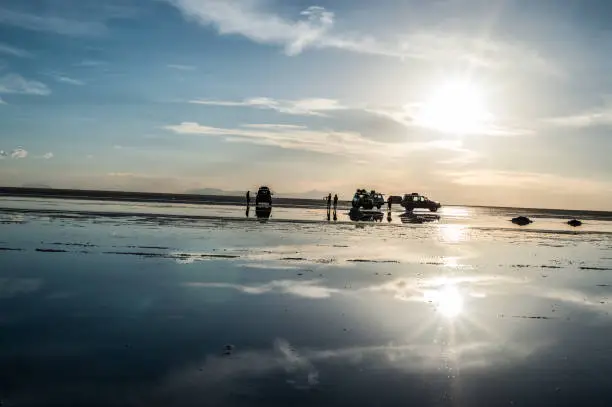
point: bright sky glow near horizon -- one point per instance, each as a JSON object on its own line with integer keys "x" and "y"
{"x": 468, "y": 101}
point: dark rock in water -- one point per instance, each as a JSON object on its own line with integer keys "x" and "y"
{"x": 574, "y": 222}
{"x": 228, "y": 349}
{"x": 521, "y": 220}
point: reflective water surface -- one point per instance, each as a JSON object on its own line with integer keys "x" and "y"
{"x": 104, "y": 310}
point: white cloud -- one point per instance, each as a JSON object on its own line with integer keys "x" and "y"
{"x": 3, "y": 154}
{"x": 528, "y": 181}
{"x": 592, "y": 118}
{"x": 2, "y": 102}
{"x": 89, "y": 63}
{"x": 322, "y": 106}
{"x": 180, "y": 67}
{"x": 48, "y": 156}
{"x": 307, "y": 289}
{"x": 17, "y": 84}
{"x": 304, "y": 107}
{"x": 54, "y": 24}
{"x": 301, "y": 138}
{"x": 69, "y": 81}
{"x": 19, "y": 153}
{"x": 124, "y": 174}
{"x": 245, "y": 17}
{"x": 12, "y": 51}
{"x": 315, "y": 28}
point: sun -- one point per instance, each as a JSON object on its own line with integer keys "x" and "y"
{"x": 456, "y": 107}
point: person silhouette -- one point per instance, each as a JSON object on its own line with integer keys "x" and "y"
{"x": 248, "y": 198}
{"x": 329, "y": 201}
{"x": 335, "y": 201}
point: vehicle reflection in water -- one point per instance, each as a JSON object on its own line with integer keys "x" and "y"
{"x": 357, "y": 215}
{"x": 411, "y": 217}
{"x": 263, "y": 213}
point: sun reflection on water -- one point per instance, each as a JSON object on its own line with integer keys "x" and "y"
{"x": 452, "y": 233}
{"x": 447, "y": 299}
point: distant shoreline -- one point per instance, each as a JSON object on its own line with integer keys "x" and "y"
{"x": 161, "y": 197}
{"x": 127, "y": 196}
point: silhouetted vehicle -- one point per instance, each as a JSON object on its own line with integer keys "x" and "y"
{"x": 416, "y": 201}
{"x": 367, "y": 200}
{"x": 521, "y": 220}
{"x": 378, "y": 199}
{"x": 396, "y": 199}
{"x": 263, "y": 197}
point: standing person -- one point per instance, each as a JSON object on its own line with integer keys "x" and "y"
{"x": 335, "y": 201}
{"x": 328, "y": 201}
{"x": 248, "y": 198}
{"x": 389, "y": 203}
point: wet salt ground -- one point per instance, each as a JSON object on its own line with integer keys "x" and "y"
{"x": 98, "y": 310}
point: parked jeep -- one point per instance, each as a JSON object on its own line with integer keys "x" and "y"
{"x": 416, "y": 201}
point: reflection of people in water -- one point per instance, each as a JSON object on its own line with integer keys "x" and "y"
{"x": 247, "y": 210}
{"x": 389, "y": 216}
{"x": 335, "y": 215}
{"x": 248, "y": 198}
{"x": 335, "y": 201}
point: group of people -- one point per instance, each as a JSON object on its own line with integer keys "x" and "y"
{"x": 329, "y": 201}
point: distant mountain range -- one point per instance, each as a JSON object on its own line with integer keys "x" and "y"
{"x": 313, "y": 194}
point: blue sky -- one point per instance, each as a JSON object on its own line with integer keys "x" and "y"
{"x": 469, "y": 101}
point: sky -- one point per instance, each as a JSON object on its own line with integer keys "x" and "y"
{"x": 494, "y": 102}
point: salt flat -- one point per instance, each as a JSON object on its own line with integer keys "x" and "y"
{"x": 120, "y": 304}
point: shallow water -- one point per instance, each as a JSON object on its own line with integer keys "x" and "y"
{"x": 140, "y": 305}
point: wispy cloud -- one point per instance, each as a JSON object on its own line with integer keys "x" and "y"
{"x": 301, "y": 138}
{"x": 324, "y": 107}
{"x": 315, "y": 28}
{"x": 601, "y": 116}
{"x": 528, "y": 181}
{"x": 307, "y": 289}
{"x": 180, "y": 67}
{"x": 89, "y": 63}
{"x": 305, "y": 107}
{"x": 19, "y": 153}
{"x": 246, "y": 17}
{"x": 3, "y": 154}
{"x": 69, "y": 81}
{"x": 12, "y": 51}
{"x": 51, "y": 23}
{"x": 124, "y": 174}
{"x": 48, "y": 156}
{"x": 17, "y": 84}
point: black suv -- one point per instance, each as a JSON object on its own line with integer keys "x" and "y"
{"x": 264, "y": 196}
{"x": 414, "y": 201}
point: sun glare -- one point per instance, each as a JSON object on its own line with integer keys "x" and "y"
{"x": 450, "y": 303}
{"x": 455, "y": 107}
{"x": 447, "y": 299}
